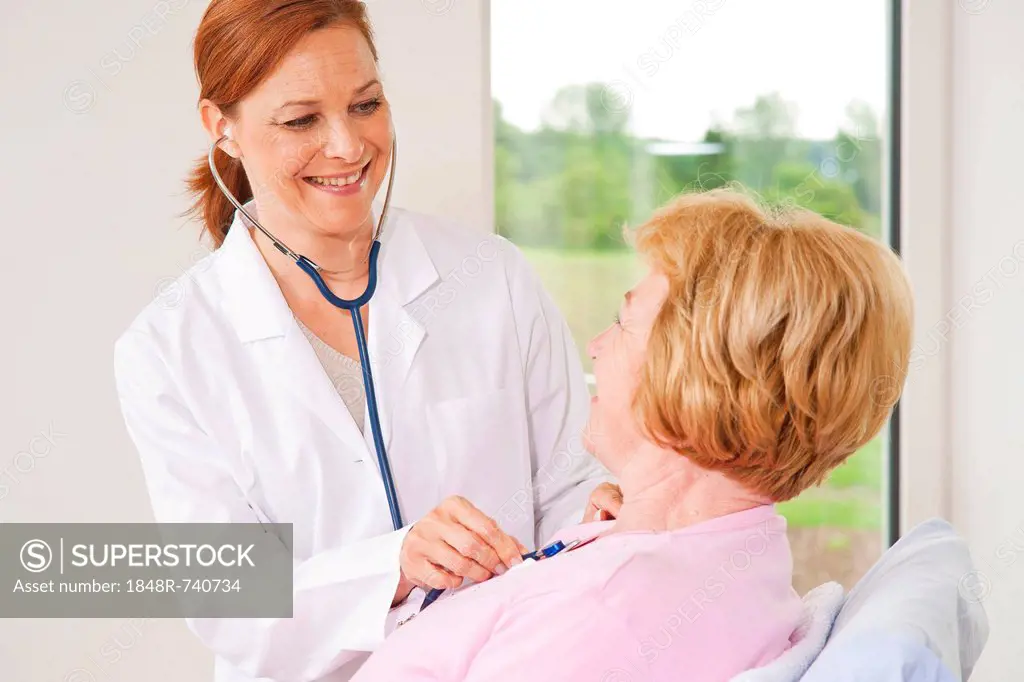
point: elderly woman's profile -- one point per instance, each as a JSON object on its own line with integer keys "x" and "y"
{"x": 760, "y": 351}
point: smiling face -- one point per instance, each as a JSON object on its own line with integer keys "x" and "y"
{"x": 619, "y": 353}
{"x": 316, "y": 136}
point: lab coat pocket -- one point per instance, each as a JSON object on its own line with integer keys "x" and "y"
{"x": 480, "y": 443}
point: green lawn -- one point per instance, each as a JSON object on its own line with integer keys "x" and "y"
{"x": 850, "y": 498}
{"x": 862, "y": 471}
{"x": 588, "y": 287}
{"x": 813, "y": 511}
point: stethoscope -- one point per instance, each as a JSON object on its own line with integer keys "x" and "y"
{"x": 351, "y": 305}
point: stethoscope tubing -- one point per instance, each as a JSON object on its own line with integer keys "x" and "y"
{"x": 353, "y": 306}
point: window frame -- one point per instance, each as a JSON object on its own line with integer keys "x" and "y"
{"x": 922, "y": 168}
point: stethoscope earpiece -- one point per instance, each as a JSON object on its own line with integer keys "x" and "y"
{"x": 226, "y": 137}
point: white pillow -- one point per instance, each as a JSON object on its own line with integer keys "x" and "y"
{"x": 919, "y": 591}
{"x": 878, "y": 657}
{"x": 820, "y": 608}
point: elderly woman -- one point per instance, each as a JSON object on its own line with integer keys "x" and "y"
{"x": 245, "y": 396}
{"x": 758, "y": 353}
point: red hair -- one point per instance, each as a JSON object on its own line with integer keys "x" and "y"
{"x": 238, "y": 44}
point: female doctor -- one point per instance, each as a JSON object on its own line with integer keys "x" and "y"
{"x": 245, "y": 399}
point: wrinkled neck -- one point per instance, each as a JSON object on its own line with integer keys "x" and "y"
{"x": 663, "y": 490}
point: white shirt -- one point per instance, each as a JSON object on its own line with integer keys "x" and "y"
{"x": 481, "y": 394}
{"x": 344, "y": 372}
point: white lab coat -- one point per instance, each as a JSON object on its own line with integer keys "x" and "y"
{"x": 481, "y": 394}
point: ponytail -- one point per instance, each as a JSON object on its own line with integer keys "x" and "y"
{"x": 211, "y": 207}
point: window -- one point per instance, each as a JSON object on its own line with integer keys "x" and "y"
{"x": 603, "y": 110}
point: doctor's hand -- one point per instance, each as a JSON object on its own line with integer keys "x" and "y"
{"x": 604, "y": 504}
{"x": 456, "y": 541}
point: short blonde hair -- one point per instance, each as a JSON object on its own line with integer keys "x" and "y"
{"x": 783, "y": 343}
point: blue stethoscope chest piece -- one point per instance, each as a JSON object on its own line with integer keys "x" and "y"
{"x": 528, "y": 559}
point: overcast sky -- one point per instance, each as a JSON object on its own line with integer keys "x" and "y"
{"x": 682, "y": 63}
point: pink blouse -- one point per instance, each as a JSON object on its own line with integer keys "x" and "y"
{"x": 702, "y": 603}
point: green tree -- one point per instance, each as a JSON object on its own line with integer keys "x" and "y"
{"x": 506, "y": 170}
{"x": 574, "y": 182}
{"x": 859, "y": 155}
{"x": 761, "y": 138}
{"x": 716, "y": 170}
{"x": 800, "y": 184}
{"x": 590, "y": 109}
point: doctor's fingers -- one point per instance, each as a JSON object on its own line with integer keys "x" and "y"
{"x": 450, "y": 559}
{"x": 428, "y": 575}
{"x": 427, "y": 558}
{"x": 508, "y": 549}
{"x": 472, "y": 546}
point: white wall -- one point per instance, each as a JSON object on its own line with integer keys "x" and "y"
{"x": 963, "y": 443}
{"x": 95, "y": 145}
{"x": 987, "y": 314}
{"x": 435, "y": 55}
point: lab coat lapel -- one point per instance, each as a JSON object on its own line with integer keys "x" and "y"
{"x": 405, "y": 271}
{"x": 265, "y": 324}
{"x": 299, "y": 370}
{"x": 395, "y": 336}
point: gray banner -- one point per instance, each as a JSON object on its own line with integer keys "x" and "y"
{"x": 129, "y": 570}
